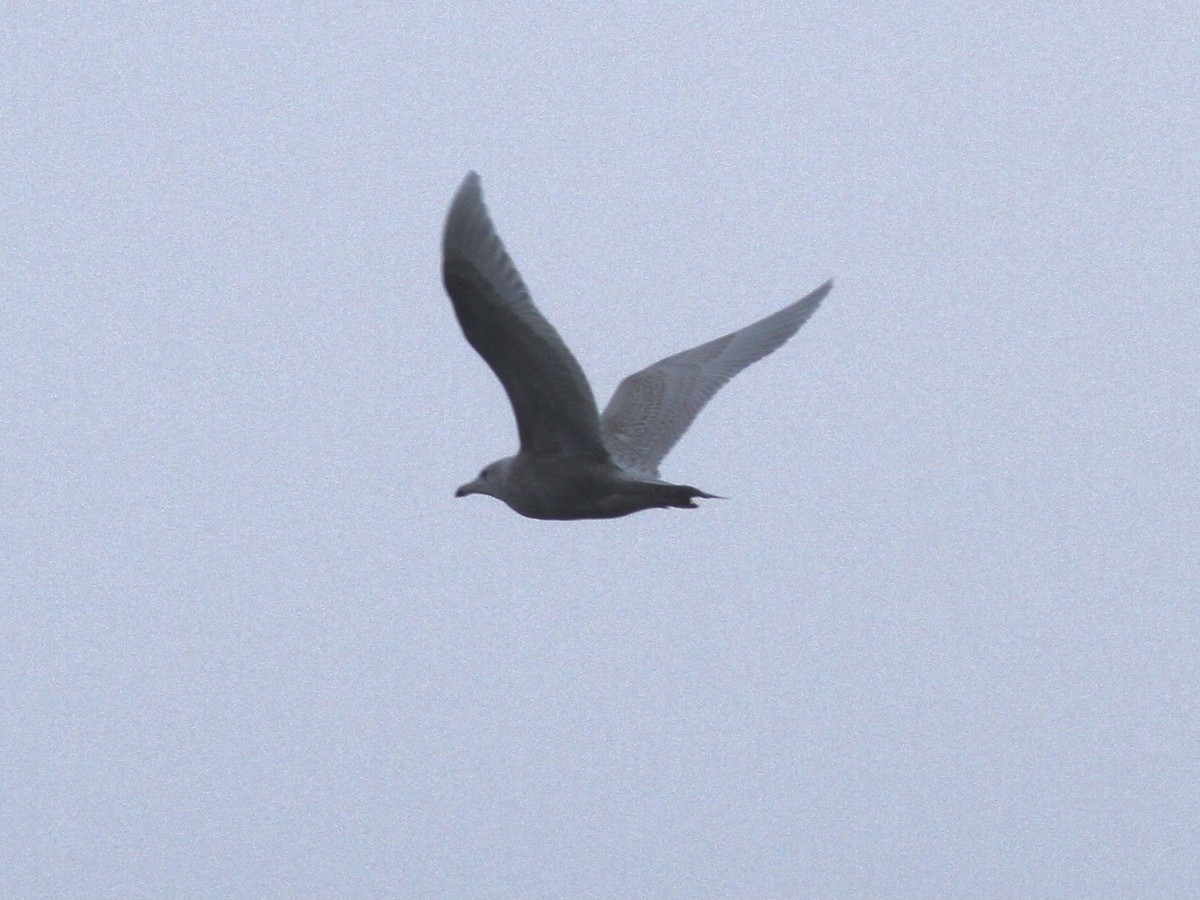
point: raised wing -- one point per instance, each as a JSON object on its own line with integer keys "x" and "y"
{"x": 651, "y": 409}
{"x": 555, "y": 410}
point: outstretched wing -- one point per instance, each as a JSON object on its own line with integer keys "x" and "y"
{"x": 555, "y": 410}
{"x": 651, "y": 409}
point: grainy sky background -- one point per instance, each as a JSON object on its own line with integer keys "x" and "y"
{"x": 942, "y": 640}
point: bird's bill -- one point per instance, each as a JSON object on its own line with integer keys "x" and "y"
{"x": 471, "y": 487}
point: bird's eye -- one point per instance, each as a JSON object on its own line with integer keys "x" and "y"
{"x": 483, "y": 474}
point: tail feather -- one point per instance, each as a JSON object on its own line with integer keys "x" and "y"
{"x": 682, "y": 496}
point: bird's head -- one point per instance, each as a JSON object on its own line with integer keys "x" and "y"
{"x": 492, "y": 480}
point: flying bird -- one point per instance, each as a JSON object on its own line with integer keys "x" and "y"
{"x": 574, "y": 462}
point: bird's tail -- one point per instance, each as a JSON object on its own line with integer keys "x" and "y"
{"x": 682, "y": 496}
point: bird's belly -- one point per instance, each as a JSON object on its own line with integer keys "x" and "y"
{"x": 554, "y": 490}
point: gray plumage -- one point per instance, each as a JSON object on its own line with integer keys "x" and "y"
{"x": 574, "y": 463}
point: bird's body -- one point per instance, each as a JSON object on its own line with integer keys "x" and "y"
{"x": 573, "y": 462}
{"x": 557, "y": 487}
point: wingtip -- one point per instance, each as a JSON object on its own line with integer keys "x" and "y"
{"x": 810, "y": 301}
{"x": 466, "y": 210}
{"x": 798, "y": 312}
{"x": 469, "y": 187}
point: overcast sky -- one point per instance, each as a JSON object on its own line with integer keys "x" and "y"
{"x": 943, "y": 638}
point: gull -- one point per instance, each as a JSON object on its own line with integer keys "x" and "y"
{"x": 573, "y": 461}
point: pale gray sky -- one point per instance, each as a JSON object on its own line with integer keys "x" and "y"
{"x": 943, "y": 638}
